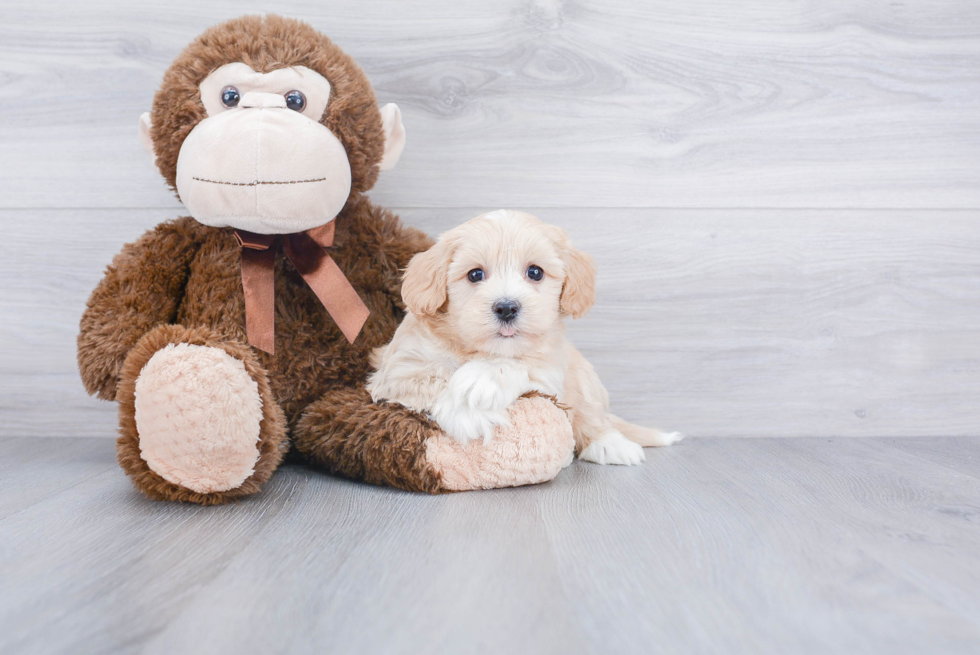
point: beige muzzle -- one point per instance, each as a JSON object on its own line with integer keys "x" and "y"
{"x": 263, "y": 168}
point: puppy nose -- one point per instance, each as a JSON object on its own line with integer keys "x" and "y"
{"x": 506, "y": 310}
{"x": 259, "y": 100}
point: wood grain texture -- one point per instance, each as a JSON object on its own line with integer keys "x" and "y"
{"x": 961, "y": 455}
{"x": 66, "y": 462}
{"x": 544, "y": 102}
{"x": 711, "y": 546}
{"x": 715, "y": 323}
{"x": 747, "y": 550}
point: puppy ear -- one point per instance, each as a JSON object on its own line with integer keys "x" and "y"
{"x": 578, "y": 291}
{"x": 424, "y": 282}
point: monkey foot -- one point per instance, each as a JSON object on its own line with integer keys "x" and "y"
{"x": 197, "y": 419}
{"x": 198, "y": 413}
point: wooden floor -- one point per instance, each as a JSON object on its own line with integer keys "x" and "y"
{"x": 858, "y": 545}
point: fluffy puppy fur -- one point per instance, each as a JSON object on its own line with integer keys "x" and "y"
{"x": 485, "y": 327}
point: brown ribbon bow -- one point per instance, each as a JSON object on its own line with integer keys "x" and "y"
{"x": 305, "y": 251}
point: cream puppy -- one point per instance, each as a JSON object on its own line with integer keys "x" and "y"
{"x": 485, "y": 327}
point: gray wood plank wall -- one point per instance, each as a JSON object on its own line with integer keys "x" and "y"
{"x": 784, "y": 200}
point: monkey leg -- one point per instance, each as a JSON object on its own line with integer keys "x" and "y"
{"x": 347, "y": 434}
{"x": 197, "y": 419}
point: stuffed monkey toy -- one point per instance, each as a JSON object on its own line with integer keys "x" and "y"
{"x": 243, "y": 332}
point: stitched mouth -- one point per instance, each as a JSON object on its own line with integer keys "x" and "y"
{"x": 259, "y": 182}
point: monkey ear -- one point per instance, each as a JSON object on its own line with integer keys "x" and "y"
{"x": 391, "y": 122}
{"x": 425, "y": 280}
{"x": 145, "y": 137}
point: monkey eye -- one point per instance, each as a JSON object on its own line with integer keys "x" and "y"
{"x": 535, "y": 273}
{"x": 295, "y": 100}
{"x": 230, "y": 96}
{"x": 476, "y": 275}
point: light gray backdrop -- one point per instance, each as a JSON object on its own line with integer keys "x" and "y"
{"x": 783, "y": 201}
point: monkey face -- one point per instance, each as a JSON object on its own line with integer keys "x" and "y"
{"x": 262, "y": 161}
{"x": 263, "y": 124}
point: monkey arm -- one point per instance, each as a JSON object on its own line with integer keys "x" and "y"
{"x": 347, "y": 434}
{"x": 142, "y": 288}
{"x": 391, "y": 244}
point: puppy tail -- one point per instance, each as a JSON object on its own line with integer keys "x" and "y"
{"x": 645, "y": 436}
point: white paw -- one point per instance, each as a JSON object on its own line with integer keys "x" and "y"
{"x": 488, "y": 385}
{"x": 671, "y": 438}
{"x": 613, "y": 448}
{"x": 465, "y": 423}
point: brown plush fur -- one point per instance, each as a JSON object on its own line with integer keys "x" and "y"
{"x": 347, "y": 435}
{"x": 181, "y": 282}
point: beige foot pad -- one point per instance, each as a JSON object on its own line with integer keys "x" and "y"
{"x": 536, "y": 446}
{"x": 198, "y": 414}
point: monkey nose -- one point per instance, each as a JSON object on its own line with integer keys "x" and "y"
{"x": 259, "y": 100}
{"x": 506, "y": 310}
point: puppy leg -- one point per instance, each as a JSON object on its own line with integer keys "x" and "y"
{"x": 601, "y": 437}
{"x": 613, "y": 448}
{"x": 600, "y": 442}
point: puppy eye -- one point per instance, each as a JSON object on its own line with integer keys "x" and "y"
{"x": 476, "y": 275}
{"x": 230, "y": 96}
{"x": 295, "y": 100}
{"x": 535, "y": 273}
